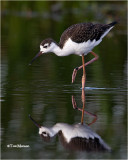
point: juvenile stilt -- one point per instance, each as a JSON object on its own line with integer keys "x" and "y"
{"x": 78, "y": 39}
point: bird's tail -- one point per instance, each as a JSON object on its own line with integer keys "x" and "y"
{"x": 113, "y": 23}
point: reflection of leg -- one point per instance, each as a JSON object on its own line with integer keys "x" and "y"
{"x": 80, "y": 67}
{"x": 94, "y": 120}
{"x": 79, "y": 109}
{"x": 83, "y": 100}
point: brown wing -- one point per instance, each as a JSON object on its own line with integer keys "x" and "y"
{"x": 83, "y": 32}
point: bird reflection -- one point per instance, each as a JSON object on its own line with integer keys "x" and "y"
{"x": 74, "y": 137}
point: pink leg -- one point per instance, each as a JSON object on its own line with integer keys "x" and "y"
{"x": 78, "y": 68}
{"x": 79, "y": 109}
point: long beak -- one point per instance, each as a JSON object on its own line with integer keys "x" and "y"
{"x": 38, "y": 54}
{"x": 34, "y": 121}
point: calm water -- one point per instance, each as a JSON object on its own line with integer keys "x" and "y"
{"x": 45, "y": 91}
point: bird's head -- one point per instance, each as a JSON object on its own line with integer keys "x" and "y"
{"x": 44, "y": 132}
{"x": 46, "y": 46}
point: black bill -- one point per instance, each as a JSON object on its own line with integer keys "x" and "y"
{"x": 34, "y": 121}
{"x": 38, "y": 54}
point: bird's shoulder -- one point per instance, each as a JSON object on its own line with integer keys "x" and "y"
{"x": 74, "y": 32}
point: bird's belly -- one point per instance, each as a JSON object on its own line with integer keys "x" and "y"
{"x": 82, "y": 50}
{"x": 85, "y": 47}
{"x": 72, "y": 47}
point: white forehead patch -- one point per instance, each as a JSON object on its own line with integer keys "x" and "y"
{"x": 41, "y": 48}
{"x": 41, "y": 130}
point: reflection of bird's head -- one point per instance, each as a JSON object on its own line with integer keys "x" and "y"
{"x": 45, "y": 133}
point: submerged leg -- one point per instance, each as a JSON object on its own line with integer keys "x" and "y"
{"x": 80, "y": 67}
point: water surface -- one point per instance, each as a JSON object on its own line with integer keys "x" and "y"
{"x": 44, "y": 89}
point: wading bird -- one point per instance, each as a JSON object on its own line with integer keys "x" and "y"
{"x": 74, "y": 137}
{"x": 78, "y": 39}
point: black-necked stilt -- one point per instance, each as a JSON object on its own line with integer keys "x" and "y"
{"x": 76, "y": 137}
{"x": 78, "y": 39}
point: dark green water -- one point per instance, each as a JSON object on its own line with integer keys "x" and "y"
{"x": 44, "y": 89}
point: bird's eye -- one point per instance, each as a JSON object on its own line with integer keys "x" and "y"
{"x": 44, "y": 133}
{"x": 45, "y": 46}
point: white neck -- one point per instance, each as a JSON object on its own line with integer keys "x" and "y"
{"x": 51, "y": 131}
{"x": 57, "y": 50}
{"x": 65, "y": 51}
